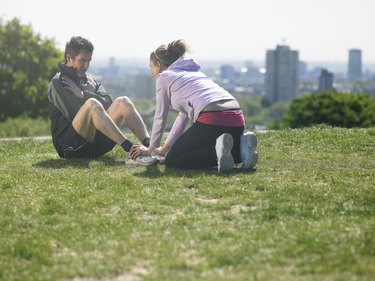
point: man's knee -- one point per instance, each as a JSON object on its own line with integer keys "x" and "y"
{"x": 93, "y": 105}
{"x": 124, "y": 103}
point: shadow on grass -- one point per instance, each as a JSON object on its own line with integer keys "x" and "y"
{"x": 157, "y": 171}
{"x": 81, "y": 163}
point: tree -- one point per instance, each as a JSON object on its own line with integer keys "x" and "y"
{"x": 27, "y": 64}
{"x": 332, "y": 108}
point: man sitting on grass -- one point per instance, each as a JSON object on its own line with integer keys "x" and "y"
{"x": 84, "y": 119}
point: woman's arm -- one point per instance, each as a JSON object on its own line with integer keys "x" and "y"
{"x": 178, "y": 128}
{"x": 161, "y": 112}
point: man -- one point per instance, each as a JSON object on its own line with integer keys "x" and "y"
{"x": 84, "y": 119}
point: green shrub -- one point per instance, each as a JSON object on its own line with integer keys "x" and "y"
{"x": 332, "y": 108}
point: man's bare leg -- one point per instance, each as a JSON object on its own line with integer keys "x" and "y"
{"x": 91, "y": 117}
{"x": 123, "y": 109}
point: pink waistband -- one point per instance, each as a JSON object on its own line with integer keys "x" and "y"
{"x": 229, "y": 118}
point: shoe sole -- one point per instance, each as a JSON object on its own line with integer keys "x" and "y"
{"x": 145, "y": 160}
{"x": 159, "y": 158}
{"x": 249, "y": 155}
{"x": 223, "y": 147}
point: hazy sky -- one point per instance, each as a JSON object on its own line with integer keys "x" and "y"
{"x": 321, "y": 30}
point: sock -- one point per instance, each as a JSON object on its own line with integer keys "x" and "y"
{"x": 127, "y": 145}
{"x": 146, "y": 142}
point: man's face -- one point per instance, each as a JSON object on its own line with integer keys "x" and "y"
{"x": 81, "y": 62}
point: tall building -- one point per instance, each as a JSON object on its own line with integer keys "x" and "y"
{"x": 355, "y": 63}
{"x": 282, "y": 74}
{"x": 325, "y": 80}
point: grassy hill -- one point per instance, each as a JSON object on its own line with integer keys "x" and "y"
{"x": 306, "y": 213}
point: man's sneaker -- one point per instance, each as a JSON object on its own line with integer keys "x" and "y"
{"x": 223, "y": 148}
{"x": 145, "y": 160}
{"x": 249, "y": 156}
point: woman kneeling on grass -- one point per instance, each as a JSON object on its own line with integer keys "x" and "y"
{"x": 216, "y": 137}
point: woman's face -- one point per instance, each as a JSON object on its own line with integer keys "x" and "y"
{"x": 155, "y": 68}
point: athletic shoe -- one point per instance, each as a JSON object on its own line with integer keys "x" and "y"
{"x": 145, "y": 160}
{"x": 249, "y": 156}
{"x": 223, "y": 148}
{"x": 158, "y": 157}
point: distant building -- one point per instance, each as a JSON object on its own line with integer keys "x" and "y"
{"x": 355, "y": 63}
{"x": 250, "y": 74}
{"x": 302, "y": 69}
{"x": 282, "y": 74}
{"x": 113, "y": 70}
{"x": 227, "y": 72}
{"x": 228, "y": 77}
{"x": 315, "y": 72}
{"x": 325, "y": 81}
{"x": 144, "y": 86}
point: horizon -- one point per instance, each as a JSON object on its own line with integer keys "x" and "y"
{"x": 103, "y": 61}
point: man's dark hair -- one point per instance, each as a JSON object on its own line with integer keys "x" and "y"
{"x": 76, "y": 45}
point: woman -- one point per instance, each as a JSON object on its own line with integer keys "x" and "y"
{"x": 216, "y": 137}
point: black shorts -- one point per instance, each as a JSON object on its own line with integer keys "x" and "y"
{"x": 73, "y": 145}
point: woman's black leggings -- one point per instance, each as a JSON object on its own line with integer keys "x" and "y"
{"x": 195, "y": 148}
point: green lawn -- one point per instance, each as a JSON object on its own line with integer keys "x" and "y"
{"x": 306, "y": 213}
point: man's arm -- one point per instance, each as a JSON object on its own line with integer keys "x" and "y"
{"x": 95, "y": 90}
{"x": 62, "y": 97}
{"x": 104, "y": 99}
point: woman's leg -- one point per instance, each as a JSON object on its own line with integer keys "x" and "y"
{"x": 195, "y": 149}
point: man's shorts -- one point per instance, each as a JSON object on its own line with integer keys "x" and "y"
{"x": 73, "y": 145}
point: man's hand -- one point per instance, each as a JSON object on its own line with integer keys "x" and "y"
{"x": 71, "y": 86}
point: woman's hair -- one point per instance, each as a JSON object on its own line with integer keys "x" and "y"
{"x": 76, "y": 45}
{"x": 168, "y": 54}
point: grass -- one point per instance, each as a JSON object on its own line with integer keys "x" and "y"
{"x": 25, "y": 127}
{"x": 306, "y": 213}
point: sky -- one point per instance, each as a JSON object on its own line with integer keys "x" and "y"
{"x": 321, "y": 30}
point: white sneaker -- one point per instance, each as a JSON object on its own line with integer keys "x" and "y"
{"x": 145, "y": 160}
{"x": 223, "y": 148}
{"x": 158, "y": 157}
{"x": 249, "y": 156}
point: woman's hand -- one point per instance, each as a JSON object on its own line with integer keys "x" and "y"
{"x": 137, "y": 150}
{"x": 162, "y": 150}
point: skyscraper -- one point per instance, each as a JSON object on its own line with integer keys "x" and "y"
{"x": 355, "y": 63}
{"x": 325, "y": 80}
{"x": 282, "y": 74}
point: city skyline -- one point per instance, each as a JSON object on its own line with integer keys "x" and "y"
{"x": 235, "y": 30}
